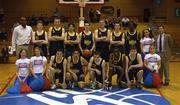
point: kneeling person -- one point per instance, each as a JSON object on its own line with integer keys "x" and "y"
{"x": 76, "y": 66}
{"x": 116, "y": 66}
{"x": 96, "y": 67}
{"x": 57, "y": 68}
{"x": 134, "y": 69}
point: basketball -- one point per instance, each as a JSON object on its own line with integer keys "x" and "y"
{"x": 87, "y": 53}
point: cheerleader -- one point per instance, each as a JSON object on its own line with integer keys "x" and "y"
{"x": 146, "y": 41}
{"x": 71, "y": 40}
{"x": 22, "y": 73}
{"x": 22, "y": 67}
{"x": 38, "y": 63}
{"x": 56, "y": 37}
{"x": 87, "y": 41}
{"x": 39, "y": 38}
{"x": 57, "y": 67}
{"x": 77, "y": 70}
{"x": 152, "y": 61}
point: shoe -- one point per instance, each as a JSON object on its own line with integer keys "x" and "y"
{"x": 71, "y": 85}
{"x": 53, "y": 86}
{"x": 93, "y": 85}
{"x": 166, "y": 83}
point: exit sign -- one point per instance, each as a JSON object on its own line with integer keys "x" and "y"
{"x": 177, "y": 12}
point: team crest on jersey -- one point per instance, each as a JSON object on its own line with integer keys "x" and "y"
{"x": 38, "y": 62}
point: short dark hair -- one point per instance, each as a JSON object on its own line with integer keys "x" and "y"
{"x": 40, "y": 21}
{"x": 133, "y": 48}
{"x": 71, "y": 24}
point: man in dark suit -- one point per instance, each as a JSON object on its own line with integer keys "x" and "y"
{"x": 163, "y": 48}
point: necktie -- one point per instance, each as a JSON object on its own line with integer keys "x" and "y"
{"x": 160, "y": 43}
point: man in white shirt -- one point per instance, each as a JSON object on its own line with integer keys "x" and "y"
{"x": 21, "y": 37}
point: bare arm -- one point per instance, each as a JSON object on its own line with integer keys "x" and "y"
{"x": 62, "y": 36}
{"x": 34, "y": 39}
{"x": 97, "y": 38}
{"x": 90, "y": 65}
{"x": 32, "y": 71}
{"x": 64, "y": 67}
{"x": 77, "y": 39}
{"x": 103, "y": 71}
{"x": 50, "y": 37}
{"x": 46, "y": 39}
{"x": 51, "y": 62}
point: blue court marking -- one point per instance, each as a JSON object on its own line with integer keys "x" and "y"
{"x": 86, "y": 97}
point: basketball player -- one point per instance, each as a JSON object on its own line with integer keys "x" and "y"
{"x": 116, "y": 63}
{"x": 56, "y": 37}
{"x": 102, "y": 38}
{"x": 117, "y": 39}
{"x": 133, "y": 69}
{"x": 71, "y": 40}
{"x": 96, "y": 67}
{"x": 57, "y": 66}
{"x": 40, "y": 39}
{"x": 87, "y": 40}
{"x": 77, "y": 69}
{"x": 132, "y": 37}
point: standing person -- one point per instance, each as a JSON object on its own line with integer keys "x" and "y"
{"x": 57, "y": 66}
{"x": 102, "y": 38}
{"x": 40, "y": 39}
{"x": 21, "y": 37}
{"x": 87, "y": 41}
{"x": 71, "y": 40}
{"x": 132, "y": 38}
{"x": 117, "y": 39}
{"x": 164, "y": 45}
{"x": 133, "y": 68}
{"x": 96, "y": 68}
{"x": 56, "y": 37}
{"x": 77, "y": 69}
{"x": 146, "y": 41}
